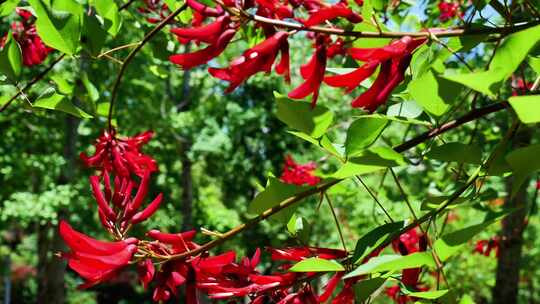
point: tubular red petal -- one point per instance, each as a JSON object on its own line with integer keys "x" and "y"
{"x": 313, "y": 82}
{"x": 82, "y": 243}
{"x": 100, "y": 198}
{"x": 107, "y": 183}
{"x": 353, "y": 79}
{"x": 146, "y": 272}
{"x": 330, "y": 287}
{"x": 203, "y": 9}
{"x": 148, "y": 211}
{"x": 172, "y": 238}
{"x": 140, "y": 195}
{"x": 283, "y": 67}
{"x": 207, "y": 33}
{"x": 329, "y": 13}
{"x": 190, "y": 60}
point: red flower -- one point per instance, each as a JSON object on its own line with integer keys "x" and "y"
{"x": 332, "y": 12}
{"x": 173, "y": 273}
{"x": 190, "y": 60}
{"x": 485, "y": 247}
{"x": 209, "y": 33}
{"x": 32, "y": 47}
{"x": 121, "y": 155}
{"x": 259, "y": 58}
{"x": 448, "y": 10}
{"x": 120, "y": 198}
{"x": 393, "y": 60}
{"x": 313, "y": 73}
{"x": 96, "y": 261}
{"x": 294, "y": 173}
{"x": 273, "y": 8}
{"x": 204, "y": 10}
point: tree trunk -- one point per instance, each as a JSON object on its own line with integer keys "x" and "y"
{"x": 509, "y": 260}
{"x": 51, "y": 269}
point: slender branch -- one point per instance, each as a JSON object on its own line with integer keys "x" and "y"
{"x": 472, "y": 115}
{"x": 337, "y": 221}
{"x": 374, "y": 198}
{"x": 134, "y": 52}
{"x": 254, "y": 221}
{"x": 33, "y": 81}
{"x": 364, "y": 34}
{"x": 117, "y": 49}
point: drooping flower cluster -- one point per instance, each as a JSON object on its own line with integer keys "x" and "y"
{"x": 121, "y": 155}
{"x": 393, "y": 61}
{"x": 120, "y": 190}
{"x": 485, "y": 247}
{"x": 34, "y": 51}
{"x": 296, "y": 174}
{"x": 217, "y": 34}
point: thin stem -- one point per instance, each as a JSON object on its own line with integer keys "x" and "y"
{"x": 132, "y": 54}
{"x": 374, "y": 198}
{"x": 321, "y": 188}
{"x": 118, "y": 48}
{"x": 32, "y": 82}
{"x": 403, "y": 194}
{"x": 337, "y": 221}
{"x": 364, "y": 34}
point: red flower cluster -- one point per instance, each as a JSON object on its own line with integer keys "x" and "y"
{"x": 449, "y": 10}
{"x": 294, "y": 173}
{"x": 393, "y": 60}
{"x": 485, "y": 247}
{"x": 25, "y": 33}
{"x": 409, "y": 242}
{"x": 121, "y": 155}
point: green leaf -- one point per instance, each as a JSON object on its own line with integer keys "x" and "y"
{"x": 374, "y": 238}
{"x": 8, "y": 7}
{"x": 393, "y": 263}
{"x": 316, "y": 265}
{"x": 450, "y": 243}
{"x": 429, "y": 295}
{"x": 456, "y": 152}
{"x": 301, "y": 116}
{"x": 54, "y": 101}
{"x": 273, "y": 195}
{"x": 466, "y": 299}
{"x": 527, "y": 108}
{"x": 524, "y": 162}
{"x": 11, "y": 59}
{"x": 323, "y": 143}
{"x": 109, "y": 11}
{"x": 362, "y": 133}
{"x": 64, "y": 87}
{"x": 372, "y": 159}
{"x": 299, "y": 228}
{"x": 93, "y": 36}
{"x": 367, "y": 26}
{"x": 90, "y": 88}
{"x": 507, "y": 58}
{"x": 407, "y": 109}
{"x": 534, "y": 62}
{"x": 365, "y": 288}
{"x": 59, "y": 28}
{"x": 433, "y": 93}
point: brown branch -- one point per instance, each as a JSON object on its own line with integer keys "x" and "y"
{"x": 341, "y": 32}
{"x": 254, "y": 221}
{"x": 33, "y": 81}
{"x": 134, "y": 52}
{"x": 472, "y": 115}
